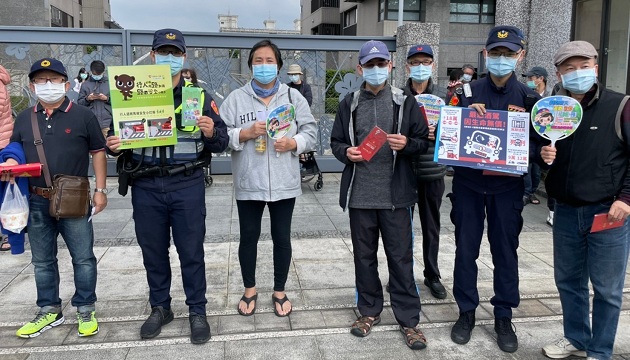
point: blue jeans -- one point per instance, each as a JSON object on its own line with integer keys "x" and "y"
{"x": 580, "y": 256}
{"x": 78, "y": 234}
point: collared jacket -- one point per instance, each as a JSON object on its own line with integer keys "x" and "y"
{"x": 514, "y": 96}
{"x": 591, "y": 165}
{"x": 408, "y": 121}
{"x": 102, "y": 109}
{"x": 6, "y": 119}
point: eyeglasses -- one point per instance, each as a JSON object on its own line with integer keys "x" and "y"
{"x": 426, "y": 62}
{"x": 508, "y": 54}
{"x": 41, "y": 80}
{"x": 164, "y": 52}
{"x": 381, "y": 64}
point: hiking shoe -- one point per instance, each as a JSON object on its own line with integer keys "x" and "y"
{"x": 561, "y": 349}
{"x": 41, "y": 323}
{"x": 506, "y": 337}
{"x": 199, "y": 328}
{"x": 435, "y": 286}
{"x": 550, "y": 218}
{"x": 460, "y": 333}
{"x": 88, "y": 325}
{"x": 414, "y": 338}
{"x": 153, "y": 325}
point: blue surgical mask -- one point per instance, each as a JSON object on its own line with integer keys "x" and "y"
{"x": 294, "y": 78}
{"x": 265, "y": 73}
{"x": 531, "y": 84}
{"x": 501, "y": 66}
{"x": 83, "y": 76}
{"x": 176, "y": 63}
{"x": 376, "y": 76}
{"x": 420, "y": 73}
{"x": 579, "y": 81}
{"x": 467, "y": 77}
{"x": 97, "y": 77}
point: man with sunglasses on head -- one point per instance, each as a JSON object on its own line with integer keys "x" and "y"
{"x": 477, "y": 193}
{"x": 69, "y": 134}
{"x": 168, "y": 195}
{"x": 381, "y": 192}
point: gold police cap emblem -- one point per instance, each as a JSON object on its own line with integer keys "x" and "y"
{"x": 45, "y": 63}
{"x": 502, "y": 34}
{"x": 171, "y": 36}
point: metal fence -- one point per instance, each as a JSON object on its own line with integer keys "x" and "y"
{"x": 219, "y": 59}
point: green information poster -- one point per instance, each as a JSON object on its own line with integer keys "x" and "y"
{"x": 142, "y": 105}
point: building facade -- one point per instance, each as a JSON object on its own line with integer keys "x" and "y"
{"x": 464, "y": 25}
{"x": 58, "y": 13}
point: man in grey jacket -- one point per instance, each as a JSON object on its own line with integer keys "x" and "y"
{"x": 95, "y": 95}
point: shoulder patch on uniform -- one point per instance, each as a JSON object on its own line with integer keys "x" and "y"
{"x": 515, "y": 108}
{"x": 214, "y": 107}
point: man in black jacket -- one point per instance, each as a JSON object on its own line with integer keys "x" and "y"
{"x": 297, "y": 82}
{"x": 381, "y": 192}
{"x": 589, "y": 178}
{"x": 429, "y": 174}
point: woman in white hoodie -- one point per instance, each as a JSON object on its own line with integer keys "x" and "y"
{"x": 266, "y": 171}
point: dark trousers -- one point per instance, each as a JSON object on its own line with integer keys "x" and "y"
{"x": 396, "y": 230}
{"x": 157, "y": 213}
{"x": 250, "y": 215}
{"x": 429, "y": 202}
{"x": 504, "y": 226}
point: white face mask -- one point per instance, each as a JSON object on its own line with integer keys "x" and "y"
{"x": 50, "y": 93}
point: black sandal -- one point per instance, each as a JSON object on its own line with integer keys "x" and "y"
{"x": 363, "y": 325}
{"x": 414, "y": 338}
{"x": 4, "y": 244}
{"x": 280, "y": 302}
{"x": 247, "y": 301}
{"x": 533, "y": 199}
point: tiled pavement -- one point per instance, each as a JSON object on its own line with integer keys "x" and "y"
{"x": 320, "y": 285}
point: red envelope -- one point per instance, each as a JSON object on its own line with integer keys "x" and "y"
{"x": 601, "y": 223}
{"x": 24, "y": 170}
{"x": 372, "y": 143}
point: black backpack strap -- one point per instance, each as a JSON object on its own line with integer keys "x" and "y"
{"x": 289, "y": 92}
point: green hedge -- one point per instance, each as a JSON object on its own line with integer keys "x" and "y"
{"x": 331, "y": 101}
{"x": 19, "y": 103}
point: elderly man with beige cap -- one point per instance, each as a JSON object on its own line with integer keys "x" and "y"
{"x": 588, "y": 177}
{"x": 295, "y": 75}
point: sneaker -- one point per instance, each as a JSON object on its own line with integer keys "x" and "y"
{"x": 41, "y": 323}
{"x": 506, "y": 337}
{"x": 435, "y": 286}
{"x": 153, "y": 325}
{"x": 88, "y": 325}
{"x": 561, "y": 349}
{"x": 199, "y": 328}
{"x": 550, "y": 219}
{"x": 460, "y": 333}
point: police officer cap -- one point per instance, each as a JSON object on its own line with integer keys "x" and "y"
{"x": 47, "y": 64}
{"x": 574, "y": 48}
{"x": 169, "y": 37}
{"x": 509, "y": 36}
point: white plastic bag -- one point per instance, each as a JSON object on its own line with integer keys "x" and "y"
{"x": 14, "y": 210}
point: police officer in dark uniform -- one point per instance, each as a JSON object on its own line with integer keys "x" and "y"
{"x": 167, "y": 187}
{"x": 477, "y": 193}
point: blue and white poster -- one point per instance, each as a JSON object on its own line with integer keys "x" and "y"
{"x": 495, "y": 141}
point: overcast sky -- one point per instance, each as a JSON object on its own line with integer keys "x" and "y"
{"x": 201, "y": 15}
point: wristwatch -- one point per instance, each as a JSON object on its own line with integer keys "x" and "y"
{"x": 103, "y": 190}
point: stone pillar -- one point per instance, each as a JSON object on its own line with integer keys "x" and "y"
{"x": 413, "y": 34}
{"x": 548, "y": 33}
{"x": 544, "y": 34}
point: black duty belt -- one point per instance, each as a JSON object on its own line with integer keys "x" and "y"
{"x": 168, "y": 170}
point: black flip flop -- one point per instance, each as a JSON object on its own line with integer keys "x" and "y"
{"x": 247, "y": 301}
{"x": 280, "y": 302}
